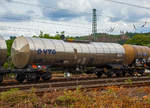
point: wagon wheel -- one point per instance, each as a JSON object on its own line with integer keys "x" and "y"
{"x": 123, "y": 73}
{"x": 1, "y": 78}
{"x": 46, "y": 76}
{"x": 20, "y": 78}
{"x": 119, "y": 73}
{"x": 131, "y": 72}
{"x": 99, "y": 74}
{"x": 141, "y": 71}
{"x": 37, "y": 77}
{"x": 109, "y": 74}
{"x": 33, "y": 77}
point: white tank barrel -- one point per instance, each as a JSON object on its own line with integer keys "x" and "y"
{"x": 26, "y": 51}
{"x": 3, "y": 50}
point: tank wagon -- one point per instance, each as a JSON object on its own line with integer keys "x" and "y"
{"x": 68, "y": 55}
{"x": 36, "y": 58}
{"x": 137, "y": 58}
{"x": 26, "y": 51}
{"x": 3, "y": 54}
{"x": 36, "y": 55}
{"x": 3, "y": 51}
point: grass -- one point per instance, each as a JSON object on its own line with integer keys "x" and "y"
{"x": 15, "y": 96}
{"x": 110, "y": 97}
{"x": 129, "y": 81}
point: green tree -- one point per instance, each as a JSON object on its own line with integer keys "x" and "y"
{"x": 139, "y": 39}
{"x": 9, "y": 44}
{"x": 48, "y": 36}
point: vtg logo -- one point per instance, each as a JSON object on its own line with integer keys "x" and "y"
{"x": 46, "y": 51}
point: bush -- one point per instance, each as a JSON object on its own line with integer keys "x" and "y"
{"x": 8, "y": 65}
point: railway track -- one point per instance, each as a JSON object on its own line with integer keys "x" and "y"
{"x": 60, "y": 77}
{"x": 89, "y": 83}
{"x": 55, "y": 79}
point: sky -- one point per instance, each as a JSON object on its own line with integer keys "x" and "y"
{"x": 29, "y": 17}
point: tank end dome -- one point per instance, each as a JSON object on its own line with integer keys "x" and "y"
{"x": 20, "y": 52}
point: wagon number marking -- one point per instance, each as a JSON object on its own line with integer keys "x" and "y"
{"x": 46, "y": 51}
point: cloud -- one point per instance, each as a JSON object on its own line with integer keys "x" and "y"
{"x": 75, "y": 5}
{"x": 48, "y": 3}
{"x": 9, "y": 0}
{"x": 12, "y": 10}
{"x": 65, "y": 9}
{"x": 129, "y": 15}
{"x": 60, "y": 15}
{"x": 13, "y": 17}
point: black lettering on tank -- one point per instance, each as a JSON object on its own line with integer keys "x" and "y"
{"x": 39, "y": 51}
{"x": 45, "y": 51}
{"x": 54, "y": 52}
{"x": 49, "y": 51}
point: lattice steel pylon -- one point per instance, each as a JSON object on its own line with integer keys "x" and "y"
{"x": 94, "y": 24}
